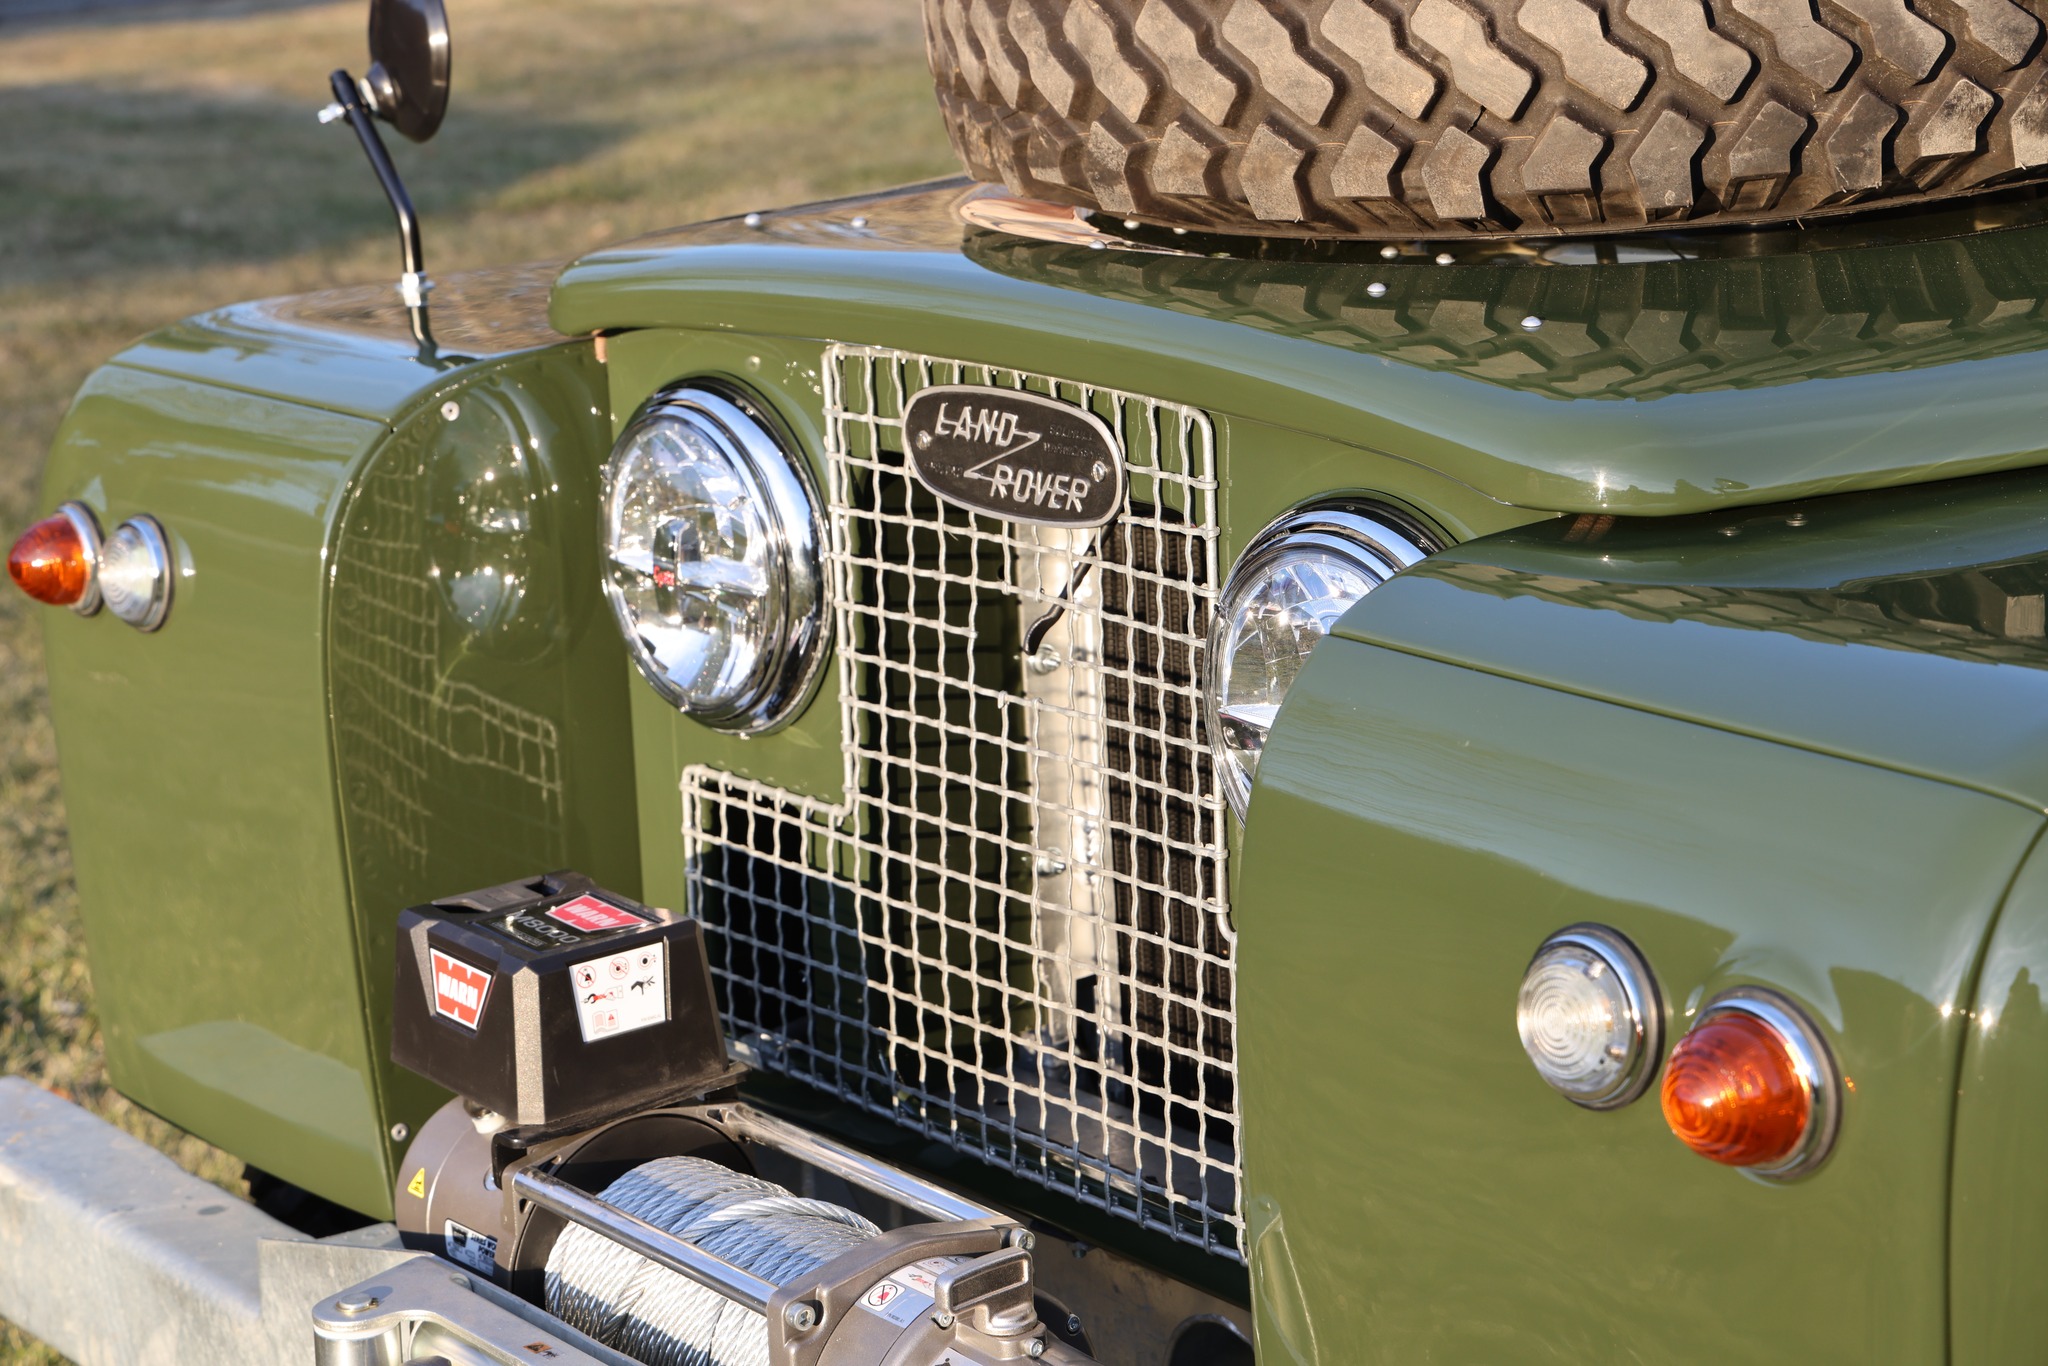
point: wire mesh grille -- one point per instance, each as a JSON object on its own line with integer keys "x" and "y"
{"x": 1010, "y": 933}
{"x": 406, "y": 720}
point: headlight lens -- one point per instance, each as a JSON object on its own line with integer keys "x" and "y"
{"x": 712, "y": 559}
{"x": 1290, "y": 586}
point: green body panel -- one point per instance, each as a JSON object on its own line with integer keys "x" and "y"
{"x": 326, "y": 730}
{"x": 1904, "y": 629}
{"x": 350, "y": 350}
{"x": 477, "y": 680}
{"x": 1415, "y": 1192}
{"x": 1790, "y": 743}
{"x": 803, "y": 756}
{"x": 198, "y": 782}
{"x": 1263, "y": 469}
{"x": 1740, "y": 379}
{"x": 1999, "y": 1240}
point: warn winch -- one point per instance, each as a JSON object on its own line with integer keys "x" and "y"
{"x": 598, "y": 1164}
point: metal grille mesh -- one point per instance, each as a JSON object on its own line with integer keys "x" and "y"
{"x": 1010, "y": 931}
{"x": 409, "y": 727}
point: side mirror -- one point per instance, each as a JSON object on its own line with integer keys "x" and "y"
{"x": 408, "y": 88}
{"x": 407, "y": 84}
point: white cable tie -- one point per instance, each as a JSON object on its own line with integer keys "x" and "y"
{"x": 332, "y": 112}
{"x": 413, "y": 287}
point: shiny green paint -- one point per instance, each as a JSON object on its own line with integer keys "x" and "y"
{"x": 1739, "y": 380}
{"x": 197, "y": 779}
{"x": 350, "y": 350}
{"x": 1901, "y": 628}
{"x": 1265, "y": 471}
{"x": 317, "y": 737}
{"x": 481, "y": 731}
{"x": 1999, "y": 1240}
{"x": 1415, "y": 1192}
{"x": 805, "y": 755}
{"x": 1425, "y": 814}
{"x": 1268, "y": 470}
{"x": 243, "y": 347}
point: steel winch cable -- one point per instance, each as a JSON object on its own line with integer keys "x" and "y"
{"x": 656, "y": 1316}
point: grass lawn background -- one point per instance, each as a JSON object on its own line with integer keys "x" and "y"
{"x": 157, "y": 161}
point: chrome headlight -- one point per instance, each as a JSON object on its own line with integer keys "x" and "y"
{"x": 1288, "y": 589}
{"x": 711, "y": 540}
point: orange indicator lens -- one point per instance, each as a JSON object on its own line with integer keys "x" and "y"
{"x": 51, "y": 563}
{"x": 1733, "y": 1092}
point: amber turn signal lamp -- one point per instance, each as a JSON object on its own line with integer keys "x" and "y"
{"x": 57, "y": 560}
{"x": 1752, "y": 1085}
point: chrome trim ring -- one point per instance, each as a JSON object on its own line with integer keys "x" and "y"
{"x": 87, "y": 525}
{"x": 1377, "y": 540}
{"x": 793, "y": 665}
{"x": 1812, "y": 1059}
{"x": 1645, "y": 1010}
{"x": 149, "y": 612}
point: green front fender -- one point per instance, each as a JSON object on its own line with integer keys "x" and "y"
{"x": 1415, "y": 1192}
{"x": 387, "y": 675}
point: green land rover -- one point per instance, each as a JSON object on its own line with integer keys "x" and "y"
{"x": 1381, "y": 696}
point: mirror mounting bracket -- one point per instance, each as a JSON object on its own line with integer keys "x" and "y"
{"x": 413, "y": 284}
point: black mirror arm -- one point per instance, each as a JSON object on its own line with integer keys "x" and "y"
{"x": 414, "y": 284}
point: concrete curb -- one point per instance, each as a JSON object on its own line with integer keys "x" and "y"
{"x": 112, "y": 1253}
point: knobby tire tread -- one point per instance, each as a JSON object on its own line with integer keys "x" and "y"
{"x": 1430, "y": 118}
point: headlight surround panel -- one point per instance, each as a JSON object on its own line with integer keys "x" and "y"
{"x": 713, "y": 567}
{"x": 1286, "y": 592}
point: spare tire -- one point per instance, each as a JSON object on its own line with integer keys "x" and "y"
{"x": 1432, "y": 118}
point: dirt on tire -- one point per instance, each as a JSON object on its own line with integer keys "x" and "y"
{"x": 1435, "y": 118}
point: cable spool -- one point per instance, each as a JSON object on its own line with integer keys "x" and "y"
{"x": 652, "y": 1314}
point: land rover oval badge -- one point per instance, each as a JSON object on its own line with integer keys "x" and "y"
{"x": 1015, "y": 455}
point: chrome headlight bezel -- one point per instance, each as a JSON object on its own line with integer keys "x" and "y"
{"x": 1373, "y": 539}
{"x": 775, "y": 475}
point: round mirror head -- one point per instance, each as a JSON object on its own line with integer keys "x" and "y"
{"x": 408, "y": 81}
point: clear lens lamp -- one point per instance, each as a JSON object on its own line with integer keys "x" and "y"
{"x": 1288, "y": 589}
{"x": 712, "y": 540}
{"x": 135, "y": 573}
{"x": 1589, "y": 1017}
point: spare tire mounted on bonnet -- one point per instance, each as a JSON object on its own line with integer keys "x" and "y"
{"x": 1404, "y": 118}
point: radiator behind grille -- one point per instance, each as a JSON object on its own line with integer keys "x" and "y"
{"x": 1010, "y": 933}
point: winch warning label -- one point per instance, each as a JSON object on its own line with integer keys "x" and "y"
{"x": 620, "y": 992}
{"x": 904, "y": 1295}
{"x": 467, "y": 1247}
{"x": 459, "y": 990}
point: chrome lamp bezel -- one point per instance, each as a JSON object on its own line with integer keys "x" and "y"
{"x": 1645, "y": 1006}
{"x": 1811, "y": 1058}
{"x": 1377, "y": 541}
{"x": 794, "y": 661}
{"x": 87, "y": 524}
{"x": 157, "y": 546}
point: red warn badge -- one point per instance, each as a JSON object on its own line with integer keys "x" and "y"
{"x": 459, "y": 990}
{"x": 590, "y": 915}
